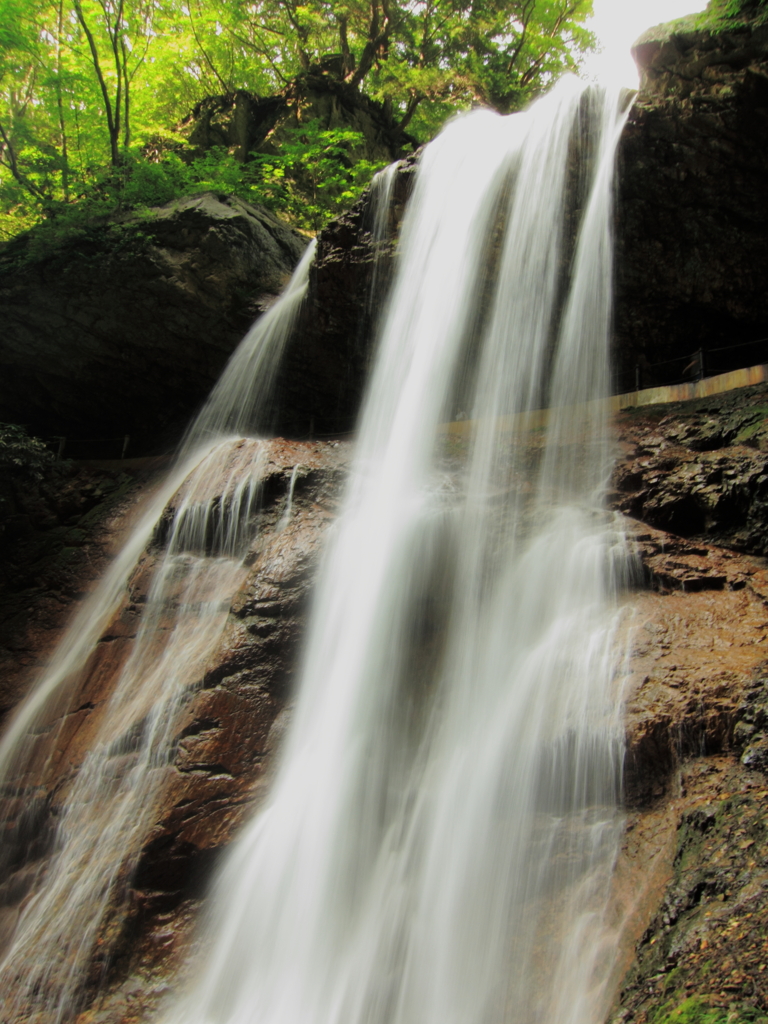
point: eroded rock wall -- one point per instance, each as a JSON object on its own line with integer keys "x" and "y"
{"x": 232, "y": 719}
{"x": 692, "y": 879}
{"x": 697, "y": 721}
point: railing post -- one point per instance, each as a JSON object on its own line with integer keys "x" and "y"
{"x": 701, "y": 363}
{"x": 126, "y": 439}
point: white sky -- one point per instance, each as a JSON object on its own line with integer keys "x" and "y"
{"x": 618, "y": 23}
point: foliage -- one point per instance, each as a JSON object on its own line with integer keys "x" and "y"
{"x": 19, "y": 451}
{"x": 725, "y": 14}
{"x": 86, "y": 84}
{"x": 697, "y": 1010}
{"x": 413, "y": 54}
{"x": 312, "y": 177}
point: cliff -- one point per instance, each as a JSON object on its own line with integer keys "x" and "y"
{"x": 123, "y": 328}
{"x": 692, "y": 225}
{"x": 691, "y": 876}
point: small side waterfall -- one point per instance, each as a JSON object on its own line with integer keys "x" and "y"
{"x": 77, "y": 895}
{"x": 438, "y": 843}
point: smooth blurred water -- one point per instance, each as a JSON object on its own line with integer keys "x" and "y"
{"x": 438, "y": 843}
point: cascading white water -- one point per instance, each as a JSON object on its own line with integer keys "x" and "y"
{"x": 380, "y": 203}
{"x": 236, "y": 404}
{"x": 439, "y": 838}
{"x": 110, "y": 805}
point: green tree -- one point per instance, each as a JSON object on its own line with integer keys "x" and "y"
{"x": 412, "y": 54}
{"x": 85, "y": 84}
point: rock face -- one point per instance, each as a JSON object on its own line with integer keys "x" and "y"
{"x": 692, "y": 881}
{"x": 323, "y": 373}
{"x": 230, "y": 724}
{"x": 57, "y": 535}
{"x": 692, "y": 232}
{"x": 691, "y": 482}
{"x": 245, "y": 123}
{"x": 125, "y": 329}
{"x": 700, "y": 471}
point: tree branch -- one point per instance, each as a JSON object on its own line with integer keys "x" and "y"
{"x": 262, "y": 50}
{"x": 13, "y": 167}
{"x": 101, "y": 80}
{"x": 410, "y": 110}
{"x": 348, "y": 61}
{"x": 208, "y": 60}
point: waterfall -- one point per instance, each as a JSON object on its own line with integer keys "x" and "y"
{"x": 198, "y": 526}
{"x": 382, "y": 190}
{"x": 438, "y": 842}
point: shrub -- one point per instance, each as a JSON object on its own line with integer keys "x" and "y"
{"x": 19, "y": 451}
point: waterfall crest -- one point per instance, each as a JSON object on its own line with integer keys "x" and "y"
{"x": 439, "y": 839}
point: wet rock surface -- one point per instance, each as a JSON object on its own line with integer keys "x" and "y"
{"x": 697, "y": 721}
{"x": 125, "y": 327}
{"x": 231, "y": 724}
{"x": 699, "y": 469}
{"x": 703, "y": 954}
{"x": 691, "y": 878}
{"x": 57, "y": 535}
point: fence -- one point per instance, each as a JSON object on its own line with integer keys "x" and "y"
{"x": 704, "y": 362}
{"x": 88, "y": 448}
{"x": 695, "y": 369}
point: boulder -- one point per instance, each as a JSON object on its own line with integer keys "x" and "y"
{"x": 124, "y": 327}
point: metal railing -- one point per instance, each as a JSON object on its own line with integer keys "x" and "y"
{"x": 694, "y": 366}
{"x": 88, "y": 448}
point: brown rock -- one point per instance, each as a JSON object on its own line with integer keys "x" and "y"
{"x": 224, "y": 739}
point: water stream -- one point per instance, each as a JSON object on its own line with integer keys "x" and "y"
{"x": 438, "y": 843}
